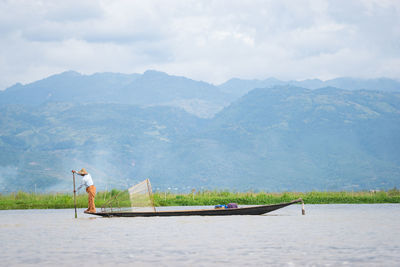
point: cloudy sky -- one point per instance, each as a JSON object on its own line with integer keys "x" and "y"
{"x": 203, "y": 40}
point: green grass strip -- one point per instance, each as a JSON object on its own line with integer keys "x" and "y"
{"x": 23, "y": 200}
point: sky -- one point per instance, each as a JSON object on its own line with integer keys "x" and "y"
{"x": 211, "y": 41}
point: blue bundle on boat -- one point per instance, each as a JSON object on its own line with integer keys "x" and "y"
{"x": 229, "y": 206}
{"x": 232, "y": 206}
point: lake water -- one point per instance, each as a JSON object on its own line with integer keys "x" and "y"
{"x": 328, "y": 235}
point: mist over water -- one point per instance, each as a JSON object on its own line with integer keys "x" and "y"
{"x": 328, "y": 235}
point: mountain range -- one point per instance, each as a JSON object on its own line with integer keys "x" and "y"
{"x": 269, "y": 135}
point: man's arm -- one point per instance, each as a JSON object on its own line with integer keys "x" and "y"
{"x": 79, "y": 187}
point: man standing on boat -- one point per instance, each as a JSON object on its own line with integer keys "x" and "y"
{"x": 90, "y": 189}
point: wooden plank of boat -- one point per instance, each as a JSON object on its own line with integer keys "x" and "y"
{"x": 254, "y": 210}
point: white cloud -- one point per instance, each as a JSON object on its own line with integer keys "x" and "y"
{"x": 207, "y": 40}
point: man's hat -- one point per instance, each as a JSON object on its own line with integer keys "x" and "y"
{"x": 83, "y": 171}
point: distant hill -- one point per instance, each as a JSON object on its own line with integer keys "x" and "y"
{"x": 239, "y": 87}
{"x": 69, "y": 87}
{"x": 272, "y": 139}
{"x": 158, "y": 88}
{"x": 119, "y": 144}
{"x": 297, "y": 138}
{"x": 148, "y": 89}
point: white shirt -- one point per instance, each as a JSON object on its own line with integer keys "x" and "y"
{"x": 86, "y": 181}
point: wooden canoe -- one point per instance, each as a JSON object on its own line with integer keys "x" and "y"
{"x": 253, "y": 210}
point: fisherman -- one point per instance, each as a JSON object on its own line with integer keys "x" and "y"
{"x": 90, "y": 189}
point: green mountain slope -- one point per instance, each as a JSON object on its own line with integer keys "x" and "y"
{"x": 273, "y": 139}
{"x": 323, "y": 139}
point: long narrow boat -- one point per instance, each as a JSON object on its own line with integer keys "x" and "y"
{"x": 254, "y": 210}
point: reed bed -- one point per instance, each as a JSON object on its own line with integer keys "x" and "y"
{"x": 23, "y": 200}
{"x": 224, "y": 197}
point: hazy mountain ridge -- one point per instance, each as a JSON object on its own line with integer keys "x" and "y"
{"x": 241, "y": 86}
{"x": 274, "y": 139}
{"x": 67, "y": 87}
{"x": 147, "y": 89}
{"x": 158, "y": 88}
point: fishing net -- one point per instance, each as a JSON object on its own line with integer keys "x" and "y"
{"x": 140, "y": 197}
{"x": 137, "y": 198}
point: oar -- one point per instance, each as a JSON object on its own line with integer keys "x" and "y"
{"x": 73, "y": 175}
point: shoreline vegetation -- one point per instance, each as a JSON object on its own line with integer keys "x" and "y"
{"x": 24, "y": 200}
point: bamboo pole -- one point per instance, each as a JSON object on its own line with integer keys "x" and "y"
{"x": 73, "y": 176}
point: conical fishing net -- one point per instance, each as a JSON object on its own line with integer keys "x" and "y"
{"x": 140, "y": 196}
{"x": 137, "y": 198}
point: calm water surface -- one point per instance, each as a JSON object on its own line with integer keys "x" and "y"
{"x": 329, "y": 235}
